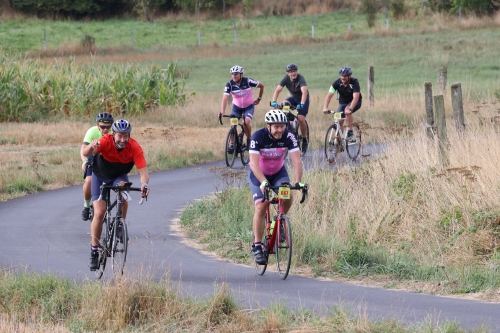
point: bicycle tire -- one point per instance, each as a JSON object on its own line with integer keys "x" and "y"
{"x": 283, "y": 246}
{"x": 244, "y": 154}
{"x": 103, "y": 248}
{"x": 261, "y": 269}
{"x": 300, "y": 138}
{"x": 119, "y": 249}
{"x": 230, "y": 157}
{"x": 332, "y": 142}
{"x": 354, "y": 149}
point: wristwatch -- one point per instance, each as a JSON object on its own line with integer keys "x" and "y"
{"x": 259, "y": 98}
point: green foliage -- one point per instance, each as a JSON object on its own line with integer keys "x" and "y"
{"x": 24, "y": 185}
{"x": 404, "y": 185}
{"x": 398, "y": 8}
{"x": 477, "y": 7}
{"x": 450, "y": 218}
{"x": 56, "y": 7}
{"x": 370, "y": 8}
{"x": 30, "y": 90}
{"x": 438, "y": 5}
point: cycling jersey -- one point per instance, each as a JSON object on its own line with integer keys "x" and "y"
{"x": 294, "y": 86}
{"x": 345, "y": 93}
{"x": 110, "y": 163}
{"x": 271, "y": 152}
{"x": 242, "y": 93}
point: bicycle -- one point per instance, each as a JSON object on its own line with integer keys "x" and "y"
{"x": 335, "y": 139}
{"x": 293, "y": 124}
{"x": 278, "y": 232}
{"x": 110, "y": 245}
{"x": 239, "y": 145}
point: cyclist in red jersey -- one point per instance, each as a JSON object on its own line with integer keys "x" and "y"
{"x": 114, "y": 156}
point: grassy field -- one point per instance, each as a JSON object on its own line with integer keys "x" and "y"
{"x": 386, "y": 241}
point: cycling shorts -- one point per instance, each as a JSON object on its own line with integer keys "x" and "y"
{"x": 248, "y": 111}
{"x": 97, "y": 182}
{"x": 305, "y": 108}
{"x": 274, "y": 180}
{"x": 343, "y": 106}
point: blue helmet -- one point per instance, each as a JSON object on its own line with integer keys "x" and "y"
{"x": 121, "y": 126}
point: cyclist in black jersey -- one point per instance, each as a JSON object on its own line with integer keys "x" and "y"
{"x": 299, "y": 97}
{"x": 349, "y": 96}
{"x": 240, "y": 88}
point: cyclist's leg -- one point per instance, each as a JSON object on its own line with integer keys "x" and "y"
{"x": 302, "y": 119}
{"x": 249, "y": 111}
{"x": 122, "y": 179}
{"x": 238, "y": 112}
{"x": 260, "y": 208}
{"x": 99, "y": 209}
{"x": 87, "y": 190}
{"x": 276, "y": 180}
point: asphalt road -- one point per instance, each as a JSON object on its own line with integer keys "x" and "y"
{"x": 44, "y": 233}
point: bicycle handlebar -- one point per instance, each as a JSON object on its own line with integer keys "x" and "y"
{"x": 280, "y": 106}
{"x": 342, "y": 114}
{"x": 290, "y": 186}
{"x": 227, "y": 116}
{"x": 125, "y": 187}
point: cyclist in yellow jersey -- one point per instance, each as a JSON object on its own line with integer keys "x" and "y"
{"x": 103, "y": 126}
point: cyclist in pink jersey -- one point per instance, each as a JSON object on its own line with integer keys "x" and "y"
{"x": 240, "y": 88}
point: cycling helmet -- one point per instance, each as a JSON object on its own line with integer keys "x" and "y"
{"x": 236, "y": 69}
{"x": 275, "y": 117}
{"x": 291, "y": 67}
{"x": 344, "y": 71}
{"x": 104, "y": 117}
{"x": 121, "y": 126}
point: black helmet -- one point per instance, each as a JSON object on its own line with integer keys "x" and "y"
{"x": 291, "y": 67}
{"x": 344, "y": 71}
{"x": 121, "y": 126}
{"x": 104, "y": 117}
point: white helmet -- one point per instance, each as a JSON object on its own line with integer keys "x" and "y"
{"x": 275, "y": 117}
{"x": 236, "y": 69}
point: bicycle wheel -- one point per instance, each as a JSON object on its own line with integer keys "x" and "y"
{"x": 103, "y": 248}
{"x": 354, "y": 148}
{"x": 244, "y": 155}
{"x": 283, "y": 247}
{"x": 331, "y": 143}
{"x": 261, "y": 269}
{"x": 119, "y": 249}
{"x": 230, "y": 154}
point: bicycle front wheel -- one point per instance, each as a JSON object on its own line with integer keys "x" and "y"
{"x": 230, "y": 151}
{"x": 119, "y": 248}
{"x": 103, "y": 248}
{"x": 283, "y": 247}
{"x": 245, "y": 157}
{"x": 331, "y": 143}
{"x": 353, "y": 148}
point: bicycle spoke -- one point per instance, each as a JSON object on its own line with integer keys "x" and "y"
{"x": 353, "y": 149}
{"x": 331, "y": 143}
{"x": 283, "y": 247}
{"x": 119, "y": 249}
{"x": 230, "y": 154}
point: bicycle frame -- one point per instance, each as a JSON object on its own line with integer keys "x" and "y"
{"x": 335, "y": 139}
{"x": 239, "y": 144}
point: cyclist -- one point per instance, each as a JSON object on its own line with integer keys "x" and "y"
{"x": 115, "y": 155}
{"x": 268, "y": 148}
{"x": 243, "y": 102}
{"x": 349, "y": 96}
{"x": 103, "y": 127}
{"x": 299, "y": 97}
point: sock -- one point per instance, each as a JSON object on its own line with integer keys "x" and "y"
{"x": 94, "y": 248}
{"x": 257, "y": 245}
{"x": 304, "y": 139}
{"x": 86, "y": 203}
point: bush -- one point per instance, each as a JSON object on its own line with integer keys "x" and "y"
{"x": 398, "y": 8}
{"x": 370, "y": 7}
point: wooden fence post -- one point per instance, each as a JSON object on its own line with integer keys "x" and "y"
{"x": 44, "y": 40}
{"x": 199, "y": 37}
{"x": 370, "y": 85}
{"x": 132, "y": 37}
{"x": 312, "y": 27}
{"x": 458, "y": 107}
{"x": 442, "y": 76}
{"x": 429, "y": 111}
{"x": 443, "y": 143}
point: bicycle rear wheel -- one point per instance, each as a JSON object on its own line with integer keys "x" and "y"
{"x": 230, "y": 154}
{"x": 119, "y": 248}
{"x": 354, "y": 148}
{"x": 283, "y": 247}
{"x": 332, "y": 142}
{"x": 244, "y": 155}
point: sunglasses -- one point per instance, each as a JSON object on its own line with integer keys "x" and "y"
{"x": 105, "y": 127}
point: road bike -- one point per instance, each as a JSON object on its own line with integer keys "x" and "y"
{"x": 278, "y": 231}
{"x": 293, "y": 124}
{"x": 112, "y": 245}
{"x": 239, "y": 145}
{"x": 335, "y": 139}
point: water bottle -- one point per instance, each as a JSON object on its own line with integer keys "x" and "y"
{"x": 271, "y": 229}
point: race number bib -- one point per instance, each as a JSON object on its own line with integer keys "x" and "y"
{"x": 234, "y": 121}
{"x": 337, "y": 115}
{"x": 284, "y": 193}
{"x": 286, "y": 108}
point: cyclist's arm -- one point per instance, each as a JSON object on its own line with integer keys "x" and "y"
{"x": 304, "y": 94}
{"x": 297, "y": 165}
{"x": 352, "y": 105}
{"x": 261, "y": 92}
{"x": 83, "y": 157}
{"x": 277, "y": 92}
{"x": 91, "y": 149}
{"x": 225, "y": 97}
{"x": 144, "y": 175}
{"x": 328, "y": 98}
{"x": 256, "y": 170}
